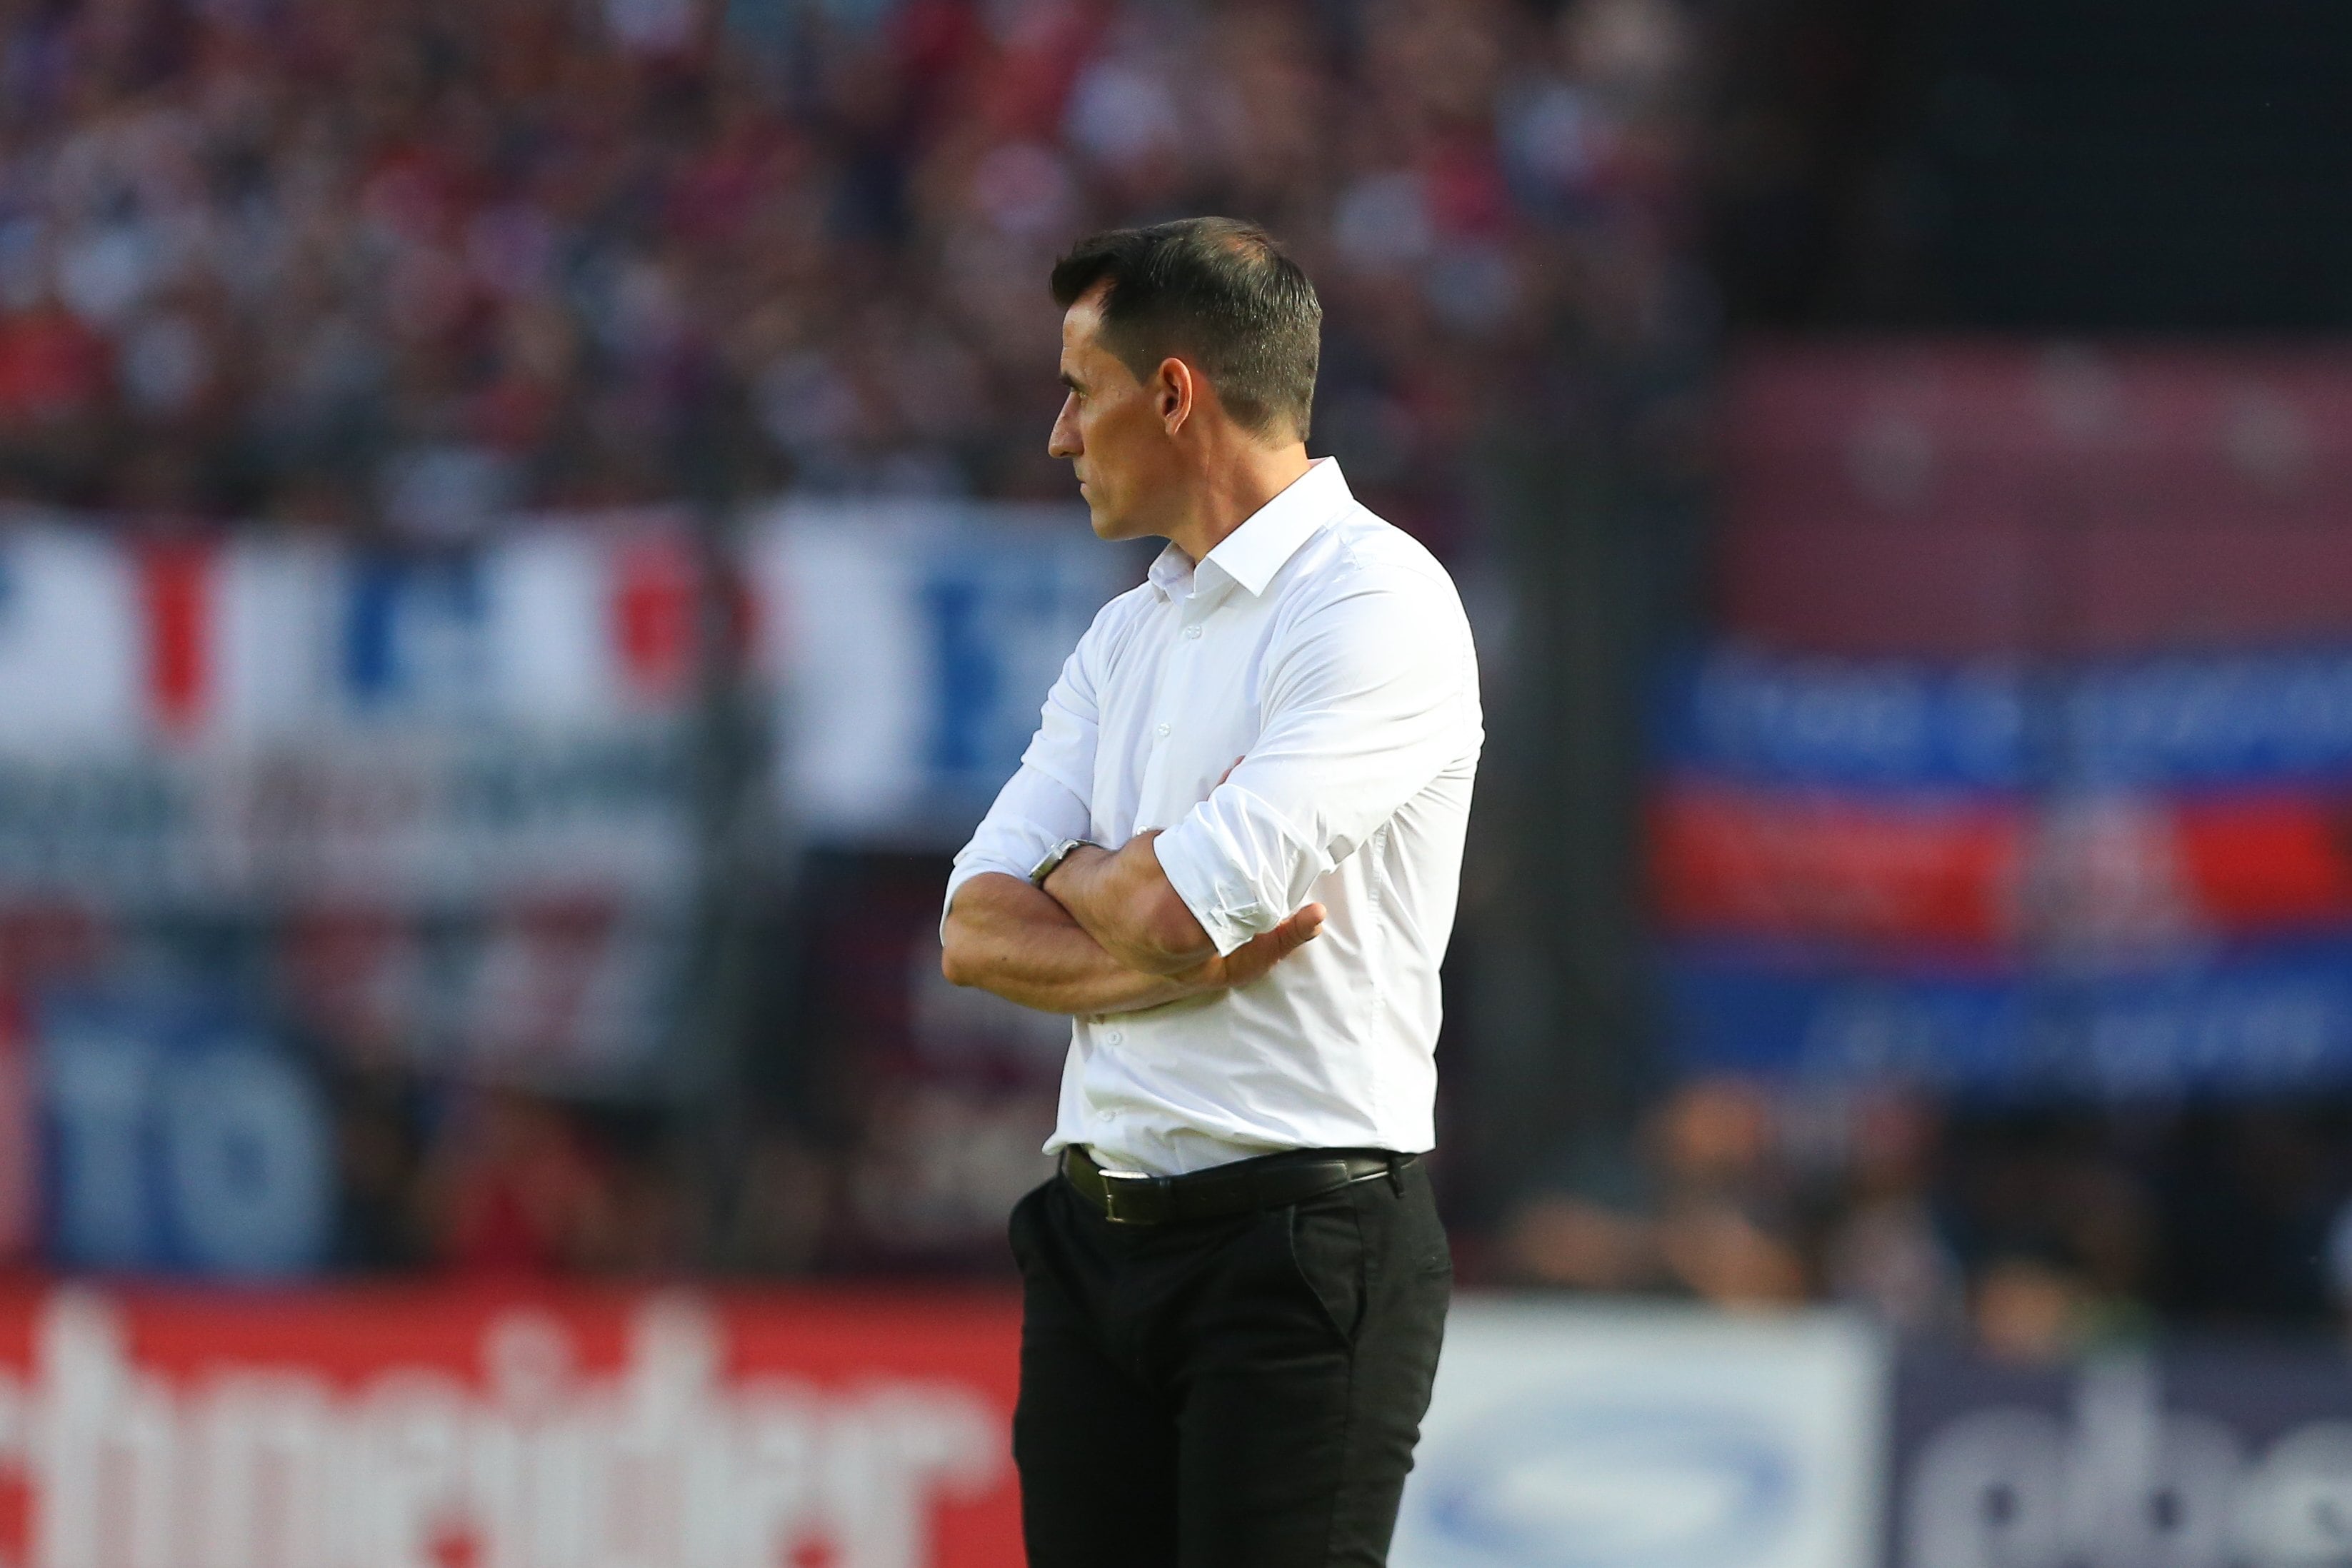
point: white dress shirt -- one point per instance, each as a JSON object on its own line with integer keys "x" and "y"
{"x": 1328, "y": 650}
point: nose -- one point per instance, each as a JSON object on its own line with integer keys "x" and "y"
{"x": 1064, "y": 441}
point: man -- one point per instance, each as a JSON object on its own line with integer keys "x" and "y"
{"x": 1232, "y": 853}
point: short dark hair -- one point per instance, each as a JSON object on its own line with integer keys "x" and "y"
{"x": 1218, "y": 289}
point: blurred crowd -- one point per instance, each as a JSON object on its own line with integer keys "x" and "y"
{"x": 399, "y": 268}
{"x": 2031, "y": 1235}
{"x": 406, "y": 265}
{"x": 2034, "y": 1234}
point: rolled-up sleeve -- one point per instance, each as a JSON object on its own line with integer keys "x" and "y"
{"x": 1045, "y": 801}
{"x": 1368, "y": 699}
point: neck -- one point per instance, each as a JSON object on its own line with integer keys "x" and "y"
{"x": 1231, "y": 491}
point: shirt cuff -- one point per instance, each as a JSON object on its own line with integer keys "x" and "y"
{"x": 1228, "y": 908}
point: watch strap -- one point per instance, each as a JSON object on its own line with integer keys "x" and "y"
{"x": 1054, "y": 857}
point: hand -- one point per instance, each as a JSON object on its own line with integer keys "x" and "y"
{"x": 1123, "y": 899}
{"x": 1253, "y": 958}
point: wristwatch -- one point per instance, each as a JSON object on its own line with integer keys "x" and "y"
{"x": 1055, "y": 856}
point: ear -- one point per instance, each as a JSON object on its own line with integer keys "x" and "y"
{"x": 1174, "y": 391}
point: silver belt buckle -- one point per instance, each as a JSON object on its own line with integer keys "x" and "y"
{"x": 1111, "y": 1196}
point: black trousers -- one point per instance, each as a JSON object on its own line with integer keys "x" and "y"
{"x": 1236, "y": 1392}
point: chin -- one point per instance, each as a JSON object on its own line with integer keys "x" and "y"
{"x": 1105, "y": 524}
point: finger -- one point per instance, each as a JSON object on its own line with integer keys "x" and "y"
{"x": 1228, "y": 773}
{"x": 1300, "y": 928}
{"x": 1263, "y": 951}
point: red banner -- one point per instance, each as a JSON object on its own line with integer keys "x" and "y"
{"x": 1987, "y": 871}
{"x": 415, "y": 1427}
{"x": 1725, "y": 860}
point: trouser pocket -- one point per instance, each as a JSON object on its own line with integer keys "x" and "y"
{"x": 1325, "y": 1238}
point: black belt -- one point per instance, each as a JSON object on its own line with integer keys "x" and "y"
{"x": 1268, "y": 1181}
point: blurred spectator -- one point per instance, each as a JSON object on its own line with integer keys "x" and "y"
{"x": 520, "y": 1185}
{"x": 513, "y": 1188}
{"x": 1887, "y": 1252}
{"x": 2030, "y": 1308}
{"x": 2059, "y": 1229}
{"x": 1724, "y": 1228}
{"x": 1706, "y": 1213}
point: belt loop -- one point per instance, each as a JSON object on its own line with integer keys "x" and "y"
{"x": 1396, "y": 1175}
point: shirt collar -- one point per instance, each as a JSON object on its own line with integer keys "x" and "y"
{"x": 1254, "y": 553}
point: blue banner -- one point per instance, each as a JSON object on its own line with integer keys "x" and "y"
{"x": 179, "y": 1140}
{"x": 998, "y": 625}
{"x": 2203, "y": 1455}
{"x": 2276, "y": 717}
{"x": 416, "y": 635}
{"x": 2250, "y": 1023}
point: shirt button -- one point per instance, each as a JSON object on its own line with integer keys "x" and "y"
{"x": 1191, "y": 631}
{"x": 1163, "y": 729}
{"x": 1113, "y": 1037}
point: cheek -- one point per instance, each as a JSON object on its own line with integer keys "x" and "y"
{"x": 1120, "y": 439}
{"x": 1099, "y": 442}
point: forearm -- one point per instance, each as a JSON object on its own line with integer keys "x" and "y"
{"x": 1123, "y": 901}
{"x": 1004, "y": 937}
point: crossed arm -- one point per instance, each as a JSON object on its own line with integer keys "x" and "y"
{"x": 1107, "y": 935}
{"x": 1364, "y": 706}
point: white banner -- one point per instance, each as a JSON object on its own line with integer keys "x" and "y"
{"x": 912, "y": 647}
{"x": 194, "y": 721}
{"x": 1563, "y": 1435}
{"x": 71, "y": 645}
{"x": 213, "y": 722}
